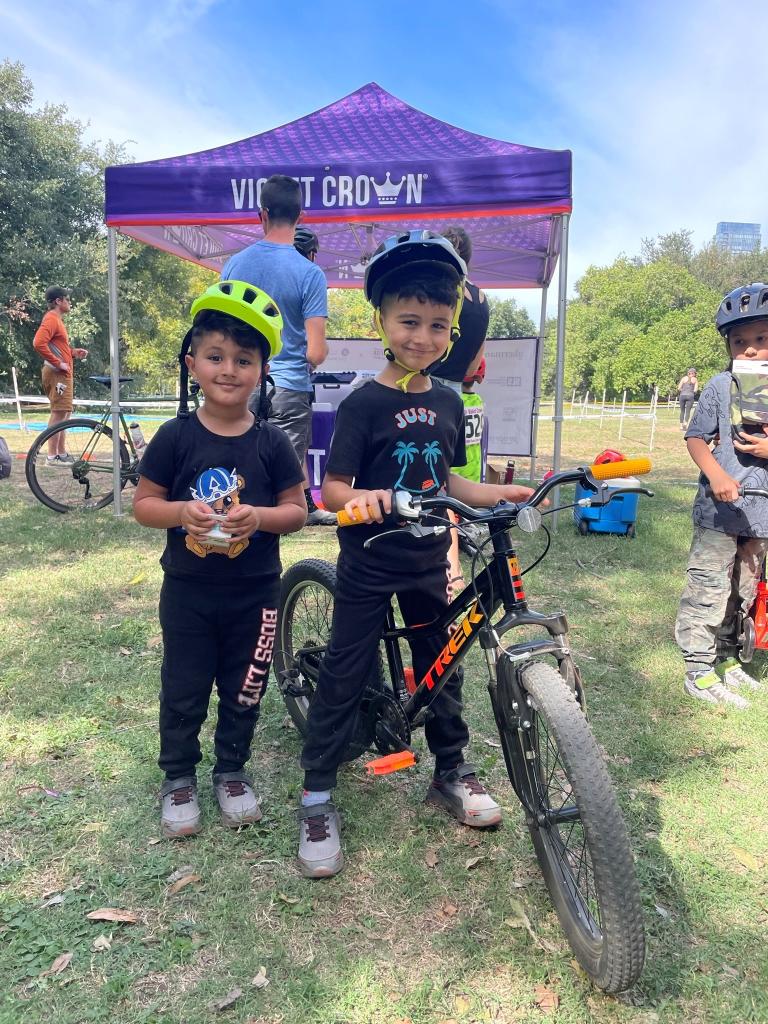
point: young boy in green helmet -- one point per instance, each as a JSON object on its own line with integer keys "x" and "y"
{"x": 399, "y": 431}
{"x": 730, "y": 532}
{"x": 225, "y": 484}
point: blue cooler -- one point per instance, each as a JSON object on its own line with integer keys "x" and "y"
{"x": 617, "y": 517}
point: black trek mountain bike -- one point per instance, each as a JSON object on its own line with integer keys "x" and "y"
{"x": 551, "y": 756}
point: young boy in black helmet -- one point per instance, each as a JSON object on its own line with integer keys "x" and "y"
{"x": 729, "y": 532}
{"x": 224, "y": 484}
{"x": 400, "y": 431}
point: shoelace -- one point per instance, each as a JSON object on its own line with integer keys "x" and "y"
{"x": 235, "y": 788}
{"x": 317, "y": 828}
{"x": 182, "y": 796}
{"x": 474, "y": 785}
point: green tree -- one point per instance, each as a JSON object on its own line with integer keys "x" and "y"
{"x": 508, "y": 320}
{"x": 349, "y": 314}
{"x": 51, "y": 202}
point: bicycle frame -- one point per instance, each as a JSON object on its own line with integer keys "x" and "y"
{"x": 499, "y": 583}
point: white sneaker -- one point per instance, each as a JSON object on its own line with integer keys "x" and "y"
{"x": 706, "y": 686}
{"x": 735, "y": 676}
{"x": 52, "y": 459}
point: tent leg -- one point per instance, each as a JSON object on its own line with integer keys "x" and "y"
{"x": 537, "y": 383}
{"x": 562, "y": 296}
{"x": 114, "y": 367}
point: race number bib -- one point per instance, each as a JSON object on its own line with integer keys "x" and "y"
{"x": 473, "y": 424}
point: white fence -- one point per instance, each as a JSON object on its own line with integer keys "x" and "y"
{"x": 590, "y": 407}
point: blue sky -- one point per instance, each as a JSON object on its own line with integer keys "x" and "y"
{"x": 663, "y": 104}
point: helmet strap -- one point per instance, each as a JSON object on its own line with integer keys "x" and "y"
{"x": 183, "y": 410}
{"x": 264, "y": 407}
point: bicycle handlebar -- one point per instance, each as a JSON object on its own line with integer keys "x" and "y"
{"x": 409, "y": 507}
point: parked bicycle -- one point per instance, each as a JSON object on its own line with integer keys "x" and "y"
{"x": 85, "y": 480}
{"x": 537, "y": 695}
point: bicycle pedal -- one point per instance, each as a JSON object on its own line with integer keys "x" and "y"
{"x": 391, "y": 763}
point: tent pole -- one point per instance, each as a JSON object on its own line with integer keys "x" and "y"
{"x": 537, "y": 383}
{"x": 114, "y": 368}
{"x": 562, "y": 295}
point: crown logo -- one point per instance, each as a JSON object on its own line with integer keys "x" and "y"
{"x": 388, "y": 192}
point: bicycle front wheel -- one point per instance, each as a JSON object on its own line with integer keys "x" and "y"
{"x": 578, "y": 831}
{"x": 84, "y": 481}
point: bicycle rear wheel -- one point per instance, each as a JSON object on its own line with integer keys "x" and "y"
{"x": 577, "y": 829}
{"x": 303, "y": 631}
{"x": 86, "y": 482}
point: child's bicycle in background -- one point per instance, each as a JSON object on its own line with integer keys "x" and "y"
{"x": 752, "y": 628}
{"x": 552, "y": 759}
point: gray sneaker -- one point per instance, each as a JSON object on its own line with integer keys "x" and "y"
{"x": 320, "y": 853}
{"x": 461, "y": 793}
{"x": 706, "y": 686}
{"x": 66, "y": 457}
{"x": 237, "y": 800}
{"x": 320, "y": 517}
{"x": 733, "y": 674}
{"x": 181, "y": 810}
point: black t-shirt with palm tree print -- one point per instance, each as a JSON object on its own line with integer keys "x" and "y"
{"x": 388, "y": 439}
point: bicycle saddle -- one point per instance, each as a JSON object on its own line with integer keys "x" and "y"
{"x": 107, "y": 381}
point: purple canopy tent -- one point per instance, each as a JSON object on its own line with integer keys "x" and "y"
{"x": 369, "y": 165}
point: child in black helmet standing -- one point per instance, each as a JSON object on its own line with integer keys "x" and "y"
{"x": 400, "y": 431}
{"x": 729, "y": 532}
{"x": 224, "y": 484}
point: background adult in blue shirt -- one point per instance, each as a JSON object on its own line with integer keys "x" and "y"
{"x": 299, "y": 288}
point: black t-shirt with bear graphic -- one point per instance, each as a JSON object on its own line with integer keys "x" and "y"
{"x": 191, "y": 462}
{"x": 403, "y": 441}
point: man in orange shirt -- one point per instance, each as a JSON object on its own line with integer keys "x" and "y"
{"x": 51, "y": 343}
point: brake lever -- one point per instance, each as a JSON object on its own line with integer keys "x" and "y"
{"x": 415, "y": 530}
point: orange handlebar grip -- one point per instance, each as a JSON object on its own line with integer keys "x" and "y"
{"x": 391, "y": 763}
{"x": 614, "y": 470}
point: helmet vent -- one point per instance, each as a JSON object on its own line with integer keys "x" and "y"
{"x": 226, "y": 287}
{"x": 249, "y": 295}
{"x": 271, "y": 310}
{"x": 764, "y": 298}
{"x": 744, "y": 302}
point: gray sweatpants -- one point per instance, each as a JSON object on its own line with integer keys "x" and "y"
{"x": 723, "y": 572}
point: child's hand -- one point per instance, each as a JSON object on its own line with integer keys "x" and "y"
{"x": 370, "y": 506}
{"x": 753, "y": 444}
{"x": 197, "y": 518}
{"x": 242, "y": 521}
{"x": 516, "y": 492}
{"x": 724, "y": 487}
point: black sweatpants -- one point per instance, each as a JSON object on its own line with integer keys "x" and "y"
{"x": 686, "y": 407}
{"x": 213, "y": 632}
{"x": 362, "y": 594}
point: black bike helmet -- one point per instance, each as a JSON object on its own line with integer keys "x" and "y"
{"x": 305, "y": 241}
{"x": 741, "y": 306}
{"x": 412, "y": 247}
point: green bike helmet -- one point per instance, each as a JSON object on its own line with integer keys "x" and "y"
{"x": 248, "y": 303}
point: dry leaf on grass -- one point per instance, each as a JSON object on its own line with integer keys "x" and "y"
{"x": 182, "y": 883}
{"x": 180, "y": 872}
{"x": 461, "y": 1004}
{"x": 154, "y": 641}
{"x": 747, "y": 859}
{"x": 290, "y": 900}
{"x": 546, "y": 1000}
{"x": 449, "y": 910}
{"x": 102, "y": 944}
{"x": 473, "y": 862}
{"x": 111, "y": 914}
{"x": 54, "y": 901}
{"x": 59, "y": 964}
{"x": 136, "y": 579}
{"x": 124, "y": 651}
{"x": 229, "y": 1000}
{"x": 261, "y": 980}
{"x": 431, "y": 858}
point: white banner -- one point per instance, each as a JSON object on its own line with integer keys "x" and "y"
{"x": 508, "y": 390}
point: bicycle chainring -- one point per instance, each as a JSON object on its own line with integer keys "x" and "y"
{"x": 388, "y": 723}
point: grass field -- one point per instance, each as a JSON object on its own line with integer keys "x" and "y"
{"x": 407, "y": 933}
